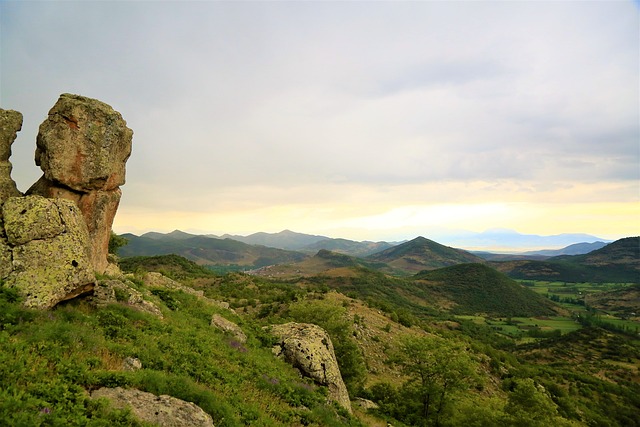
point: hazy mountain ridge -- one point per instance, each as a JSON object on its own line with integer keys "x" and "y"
{"x": 207, "y": 250}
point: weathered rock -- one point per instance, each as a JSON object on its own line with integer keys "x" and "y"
{"x": 153, "y": 279}
{"x": 47, "y": 243}
{"x": 115, "y": 291}
{"x": 228, "y": 326}
{"x": 164, "y": 411}
{"x": 84, "y": 144}
{"x": 98, "y": 209}
{"x": 309, "y": 348}
{"x": 365, "y": 403}
{"x": 10, "y": 125}
{"x": 82, "y": 148}
{"x": 131, "y": 364}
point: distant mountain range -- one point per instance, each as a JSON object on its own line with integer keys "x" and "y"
{"x": 618, "y": 262}
{"x": 509, "y": 241}
{"x": 206, "y": 250}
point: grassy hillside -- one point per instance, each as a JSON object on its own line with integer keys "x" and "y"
{"x": 422, "y": 254}
{"x": 477, "y": 288}
{"x": 586, "y": 377}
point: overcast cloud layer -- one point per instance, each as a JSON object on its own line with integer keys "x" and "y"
{"x": 359, "y": 119}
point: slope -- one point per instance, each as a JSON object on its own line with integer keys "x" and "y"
{"x": 423, "y": 254}
{"x": 479, "y": 289}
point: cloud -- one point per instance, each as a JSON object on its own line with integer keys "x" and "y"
{"x": 296, "y": 103}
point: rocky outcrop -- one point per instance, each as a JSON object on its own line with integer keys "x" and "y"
{"x": 308, "y": 348}
{"x": 82, "y": 149}
{"x": 164, "y": 411}
{"x": 229, "y": 327}
{"x": 43, "y": 250}
{"x": 115, "y": 291}
{"x": 10, "y": 125}
{"x": 153, "y": 279}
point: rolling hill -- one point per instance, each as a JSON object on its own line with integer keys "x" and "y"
{"x": 479, "y": 289}
{"x": 422, "y": 254}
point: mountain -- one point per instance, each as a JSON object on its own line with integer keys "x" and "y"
{"x": 422, "y": 254}
{"x": 509, "y": 240}
{"x": 617, "y": 262}
{"x": 207, "y": 250}
{"x": 541, "y": 255}
{"x": 479, "y": 289}
{"x": 175, "y": 235}
{"x": 311, "y": 244}
{"x": 348, "y": 247}
{"x": 575, "y": 249}
{"x": 286, "y": 239}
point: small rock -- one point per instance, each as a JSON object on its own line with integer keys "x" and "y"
{"x": 131, "y": 364}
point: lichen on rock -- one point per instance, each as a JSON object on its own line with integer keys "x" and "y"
{"x": 47, "y": 243}
{"x": 163, "y": 410}
{"x": 308, "y": 347}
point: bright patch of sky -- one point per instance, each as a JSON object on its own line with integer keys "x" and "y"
{"x": 364, "y": 120}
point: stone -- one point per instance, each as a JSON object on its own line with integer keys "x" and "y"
{"x": 308, "y": 348}
{"x": 10, "y": 125}
{"x": 131, "y": 364}
{"x": 30, "y": 218}
{"x": 228, "y": 326}
{"x": 82, "y": 149}
{"x": 163, "y": 410}
{"x": 116, "y": 291}
{"x": 98, "y": 209}
{"x": 365, "y": 404}
{"x": 47, "y": 242}
{"x": 153, "y": 279}
{"x": 83, "y": 144}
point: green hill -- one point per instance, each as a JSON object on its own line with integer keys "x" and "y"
{"x": 423, "y": 254}
{"x": 479, "y": 289}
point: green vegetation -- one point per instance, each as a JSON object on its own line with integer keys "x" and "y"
{"x": 48, "y": 359}
{"x": 462, "y": 345}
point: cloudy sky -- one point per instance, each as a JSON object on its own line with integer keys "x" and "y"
{"x": 375, "y": 120}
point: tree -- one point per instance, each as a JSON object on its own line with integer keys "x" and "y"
{"x": 436, "y": 368}
{"x": 116, "y": 242}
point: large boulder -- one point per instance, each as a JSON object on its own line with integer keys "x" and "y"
{"x": 163, "y": 411}
{"x": 82, "y": 149}
{"x": 10, "y": 125}
{"x": 308, "y": 348}
{"x": 84, "y": 144}
{"x": 44, "y": 250}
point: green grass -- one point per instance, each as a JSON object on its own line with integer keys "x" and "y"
{"x": 49, "y": 359}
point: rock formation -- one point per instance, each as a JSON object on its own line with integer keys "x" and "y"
{"x": 164, "y": 411}
{"x": 228, "y": 326}
{"x": 309, "y": 348}
{"x": 116, "y": 291}
{"x": 44, "y": 250}
{"x": 82, "y": 149}
{"x": 10, "y": 125}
